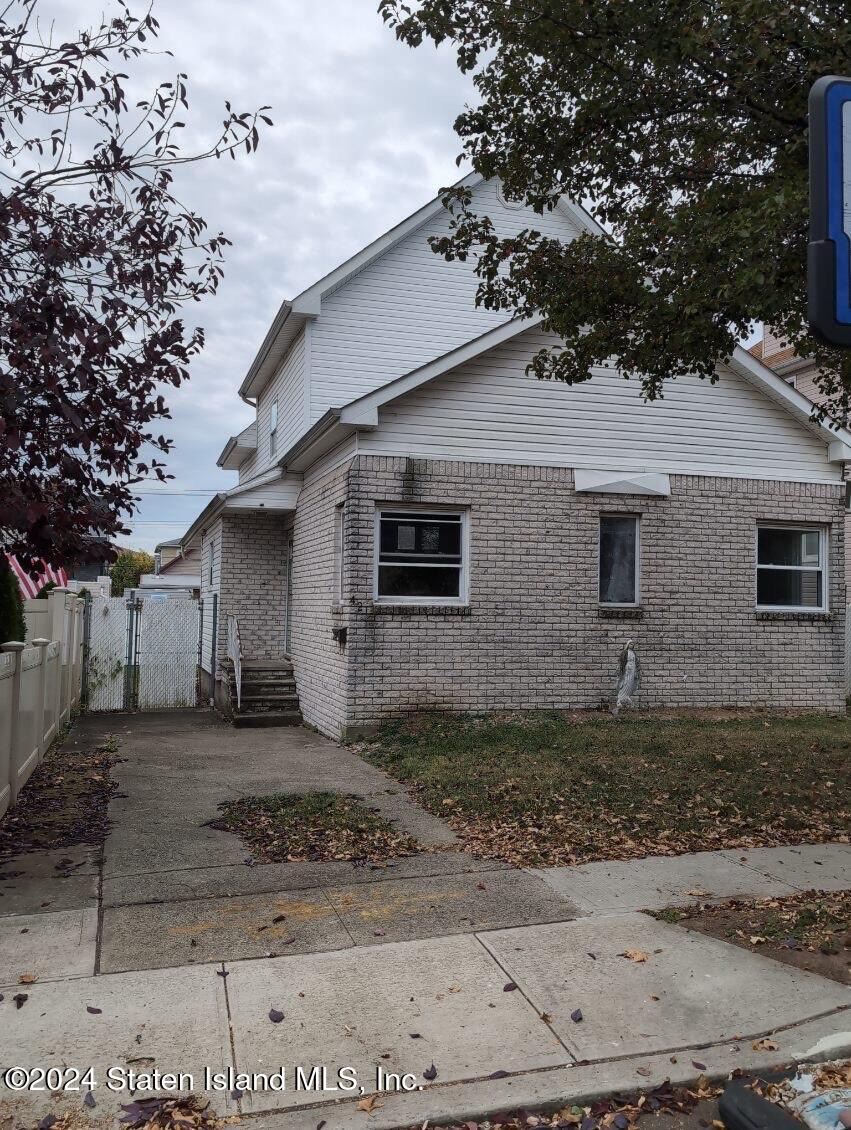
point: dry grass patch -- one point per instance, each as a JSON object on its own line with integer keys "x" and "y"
{"x": 313, "y": 827}
{"x": 811, "y": 930}
{"x": 543, "y": 789}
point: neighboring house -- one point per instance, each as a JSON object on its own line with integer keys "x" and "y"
{"x": 799, "y": 372}
{"x": 420, "y": 525}
{"x": 177, "y": 568}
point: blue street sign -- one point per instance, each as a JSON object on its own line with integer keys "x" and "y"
{"x": 829, "y": 256}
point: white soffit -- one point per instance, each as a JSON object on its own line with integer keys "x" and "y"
{"x": 622, "y": 482}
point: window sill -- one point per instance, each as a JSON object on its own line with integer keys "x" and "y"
{"x": 380, "y": 609}
{"x": 620, "y": 612}
{"x": 792, "y": 614}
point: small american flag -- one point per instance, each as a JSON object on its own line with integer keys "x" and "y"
{"x": 29, "y": 584}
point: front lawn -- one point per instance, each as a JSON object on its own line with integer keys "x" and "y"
{"x": 546, "y": 788}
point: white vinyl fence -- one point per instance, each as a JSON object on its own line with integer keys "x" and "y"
{"x": 39, "y": 687}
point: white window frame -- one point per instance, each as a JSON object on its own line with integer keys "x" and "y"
{"x": 823, "y": 567}
{"x": 637, "y": 519}
{"x": 463, "y": 597}
{"x": 273, "y": 429}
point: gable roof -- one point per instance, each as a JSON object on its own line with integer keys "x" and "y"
{"x": 362, "y": 413}
{"x": 295, "y": 312}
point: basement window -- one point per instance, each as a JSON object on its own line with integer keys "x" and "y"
{"x": 420, "y": 556}
{"x": 791, "y": 566}
{"x": 619, "y": 550}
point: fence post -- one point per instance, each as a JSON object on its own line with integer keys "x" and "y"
{"x": 42, "y": 646}
{"x": 59, "y": 631}
{"x": 14, "y": 740}
{"x": 77, "y": 606}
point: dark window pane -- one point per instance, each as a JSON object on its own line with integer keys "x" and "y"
{"x": 413, "y": 580}
{"x": 788, "y": 547}
{"x": 617, "y": 559}
{"x": 789, "y": 587}
{"x": 420, "y": 537}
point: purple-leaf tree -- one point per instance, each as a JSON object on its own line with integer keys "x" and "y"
{"x": 97, "y": 257}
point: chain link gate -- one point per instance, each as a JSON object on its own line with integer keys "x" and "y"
{"x": 142, "y": 653}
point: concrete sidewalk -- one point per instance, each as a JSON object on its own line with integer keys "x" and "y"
{"x": 157, "y": 957}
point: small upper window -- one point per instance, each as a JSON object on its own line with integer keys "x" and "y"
{"x": 273, "y": 429}
{"x": 619, "y": 559}
{"x": 791, "y": 567}
{"x": 420, "y": 556}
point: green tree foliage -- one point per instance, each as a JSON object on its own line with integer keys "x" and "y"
{"x": 128, "y": 567}
{"x": 12, "y": 622}
{"x": 682, "y": 126}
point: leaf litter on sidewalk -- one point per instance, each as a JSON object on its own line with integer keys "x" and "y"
{"x": 65, "y": 802}
{"x": 312, "y": 827}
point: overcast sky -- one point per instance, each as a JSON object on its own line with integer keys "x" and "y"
{"x": 362, "y": 137}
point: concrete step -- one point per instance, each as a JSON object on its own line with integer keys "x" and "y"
{"x": 269, "y": 702}
{"x": 264, "y": 718}
{"x": 249, "y": 666}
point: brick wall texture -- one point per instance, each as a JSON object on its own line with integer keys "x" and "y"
{"x": 534, "y": 635}
{"x": 253, "y": 583}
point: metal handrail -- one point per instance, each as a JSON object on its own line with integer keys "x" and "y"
{"x": 235, "y": 656}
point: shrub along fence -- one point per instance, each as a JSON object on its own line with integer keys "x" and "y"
{"x": 40, "y": 684}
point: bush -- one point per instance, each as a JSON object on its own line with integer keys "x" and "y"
{"x": 47, "y": 587}
{"x": 13, "y": 625}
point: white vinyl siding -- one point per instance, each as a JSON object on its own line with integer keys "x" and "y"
{"x": 490, "y": 410}
{"x": 407, "y": 308}
{"x": 287, "y": 390}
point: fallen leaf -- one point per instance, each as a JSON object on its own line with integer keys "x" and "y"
{"x": 509, "y": 988}
{"x": 275, "y": 1015}
{"x": 764, "y": 1045}
{"x": 94, "y": 1011}
{"x": 498, "y": 1074}
{"x": 644, "y": 1071}
{"x": 700, "y": 1066}
{"x": 369, "y": 1103}
{"x": 430, "y": 1073}
{"x": 635, "y": 955}
{"x": 27, "y": 978}
{"x": 89, "y": 1100}
{"x": 576, "y": 1015}
{"x": 546, "y": 1017}
{"x": 415, "y": 1035}
{"x": 20, "y": 999}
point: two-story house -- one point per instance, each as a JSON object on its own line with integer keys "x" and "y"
{"x": 419, "y": 524}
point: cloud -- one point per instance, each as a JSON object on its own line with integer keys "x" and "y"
{"x": 362, "y": 138}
